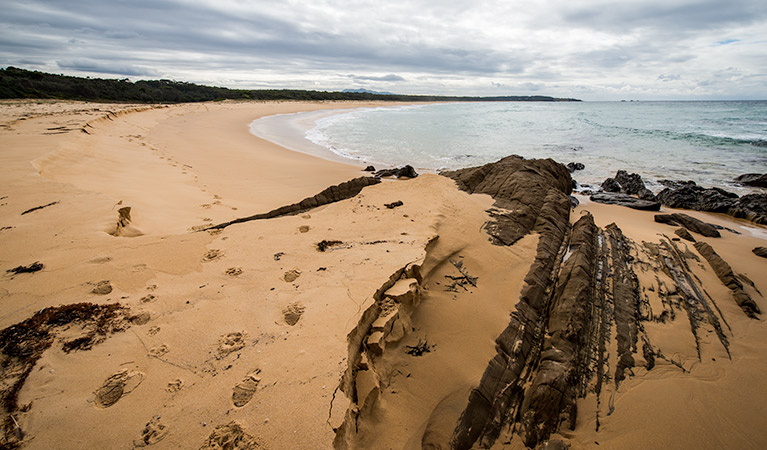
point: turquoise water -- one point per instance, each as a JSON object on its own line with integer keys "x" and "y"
{"x": 708, "y": 142}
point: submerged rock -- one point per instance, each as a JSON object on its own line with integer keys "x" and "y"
{"x": 573, "y": 166}
{"x": 753, "y": 179}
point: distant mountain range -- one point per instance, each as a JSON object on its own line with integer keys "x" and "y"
{"x": 366, "y": 91}
{"x": 21, "y": 83}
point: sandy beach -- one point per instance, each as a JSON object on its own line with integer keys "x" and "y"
{"x": 356, "y": 324}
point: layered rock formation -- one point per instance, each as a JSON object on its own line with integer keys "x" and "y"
{"x": 579, "y": 327}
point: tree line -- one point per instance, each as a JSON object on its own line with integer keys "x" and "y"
{"x": 18, "y": 83}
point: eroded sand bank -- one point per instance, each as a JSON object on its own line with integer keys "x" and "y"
{"x": 247, "y": 333}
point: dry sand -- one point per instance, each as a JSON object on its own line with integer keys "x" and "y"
{"x": 249, "y": 325}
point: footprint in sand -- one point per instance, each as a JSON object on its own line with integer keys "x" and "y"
{"x": 234, "y": 271}
{"x": 102, "y": 288}
{"x": 159, "y": 350}
{"x": 293, "y": 312}
{"x": 116, "y": 386}
{"x": 148, "y": 298}
{"x": 244, "y": 390}
{"x": 175, "y": 385}
{"x": 152, "y": 331}
{"x": 303, "y": 229}
{"x": 212, "y": 255}
{"x": 141, "y": 318}
{"x": 154, "y": 431}
{"x": 231, "y": 436}
{"x": 291, "y": 275}
{"x": 229, "y": 343}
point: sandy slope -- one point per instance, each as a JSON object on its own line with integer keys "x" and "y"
{"x": 218, "y": 349}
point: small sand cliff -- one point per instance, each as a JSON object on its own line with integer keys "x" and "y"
{"x": 171, "y": 281}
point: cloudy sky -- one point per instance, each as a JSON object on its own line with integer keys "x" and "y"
{"x": 590, "y": 49}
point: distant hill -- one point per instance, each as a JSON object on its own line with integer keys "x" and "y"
{"x": 21, "y": 83}
{"x": 366, "y": 91}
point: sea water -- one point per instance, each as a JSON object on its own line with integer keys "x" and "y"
{"x": 708, "y": 142}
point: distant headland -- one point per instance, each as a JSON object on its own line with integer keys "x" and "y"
{"x": 20, "y": 83}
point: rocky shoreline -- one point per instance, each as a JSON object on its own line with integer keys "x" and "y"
{"x": 580, "y": 326}
{"x": 629, "y": 190}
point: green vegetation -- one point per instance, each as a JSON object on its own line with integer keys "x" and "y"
{"x": 20, "y": 83}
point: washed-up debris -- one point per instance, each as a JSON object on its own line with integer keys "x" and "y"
{"x": 325, "y": 244}
{"x": 461, "y": 281}
{"x": 420, "y": 348}
{"x": 39, "y": 207}
{"x": 34, "y": 267}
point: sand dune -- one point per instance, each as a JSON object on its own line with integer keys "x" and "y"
{"x": 353, "y": 324}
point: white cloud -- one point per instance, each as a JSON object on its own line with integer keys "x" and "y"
{"x": 556, "y": 47}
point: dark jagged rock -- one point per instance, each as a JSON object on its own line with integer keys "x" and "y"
{"x": 347, "y": 189}
{"x": 760, "y": 251}
{"x": 369, "y": 169}
{"x": 613, "y": 198}
{"x": 573, "y": 166}
{"x": 727, "y": 276}
{"x": 689, "y": 195}
{"x": 406, "y": 171}
{"x": 632, "y": 184}
{"x": 691, "y": 223}
{"x": 521, "y": 190}
{"x": 753, "y": 179}
{"x": 751, "y": 207}
{"x": 610, "y": 185}
{"x": 684, "y": 234}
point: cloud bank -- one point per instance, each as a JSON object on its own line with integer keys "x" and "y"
{"x": 646, "y": 49}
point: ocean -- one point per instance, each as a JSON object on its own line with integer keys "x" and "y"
{"x": 708, "y": 142}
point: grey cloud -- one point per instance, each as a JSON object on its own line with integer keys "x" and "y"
{"x": 670, "y": 15}
{"x": 670, "y": 77}
{"x": 408, "y": 42}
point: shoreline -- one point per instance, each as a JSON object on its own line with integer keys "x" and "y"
{"x": 283, "y": 332}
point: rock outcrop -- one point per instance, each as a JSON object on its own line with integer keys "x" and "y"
{"x": 336, "y": 193}
{"x": 629, "y": 184}
{"x": 615, "y": 198}
{"x": 405, "y": 171}
{"x": 690, "y": 223}
{"x": 524, "y": 192}
{"x": 688, "y": 195}
{"x": 725, "y": 273}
